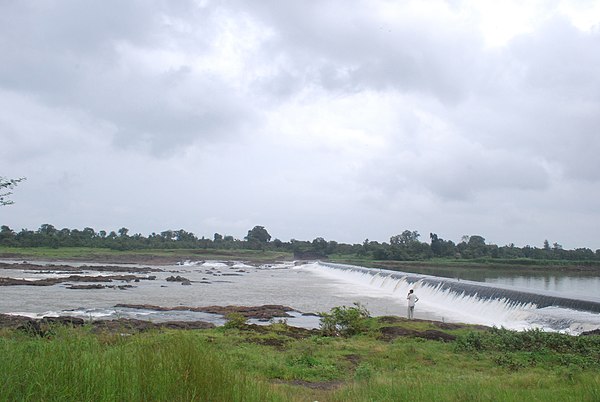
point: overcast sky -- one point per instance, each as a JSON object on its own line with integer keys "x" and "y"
{"x": 340, "y": 119}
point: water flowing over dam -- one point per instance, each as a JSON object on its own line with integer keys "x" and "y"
{"x": 473, "y": 302}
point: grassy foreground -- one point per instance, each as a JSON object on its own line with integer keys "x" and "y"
{"x": 388, "y": 360}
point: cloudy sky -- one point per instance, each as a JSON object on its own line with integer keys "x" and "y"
{"x": 343, "y": 119}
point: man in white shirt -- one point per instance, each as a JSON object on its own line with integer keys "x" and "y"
{"x": 412, "y": 299}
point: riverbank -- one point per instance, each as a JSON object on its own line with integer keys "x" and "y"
{"x": 174, "y": 256}
{"x": 389, "y": 359}
{"x": 140, "y": 257}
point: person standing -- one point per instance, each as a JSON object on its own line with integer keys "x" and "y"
{"x": 412, "y": 299}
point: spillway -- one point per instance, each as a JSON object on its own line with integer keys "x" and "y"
{"x": 473, "y": 302}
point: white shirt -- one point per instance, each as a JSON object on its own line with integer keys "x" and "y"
{"x": 412, "y": 299}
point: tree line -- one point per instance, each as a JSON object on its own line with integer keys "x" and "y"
{"x": 405, "y": 246}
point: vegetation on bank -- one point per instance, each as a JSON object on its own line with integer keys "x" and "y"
{"x": 91, "y": 254}
{"x": 406, "y": 246}
{"x": 353, "y": 358}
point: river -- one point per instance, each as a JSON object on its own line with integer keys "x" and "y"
{"x": 568, "y": 303}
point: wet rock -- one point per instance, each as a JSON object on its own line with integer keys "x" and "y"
{"x": 71, "y": 278}
{"x": 178, "y": 279}
{"x": 95, "y": 286}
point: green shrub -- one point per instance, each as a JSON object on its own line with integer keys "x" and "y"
{"x": 235, "y": 320}
{"x": 344, "y": 321}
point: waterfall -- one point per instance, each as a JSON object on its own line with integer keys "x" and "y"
{"x": 472, "y": 302}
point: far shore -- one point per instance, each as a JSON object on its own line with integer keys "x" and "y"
{"x": 176, "y": 256}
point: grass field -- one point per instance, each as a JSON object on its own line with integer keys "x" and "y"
{"x": 277, "y": 363}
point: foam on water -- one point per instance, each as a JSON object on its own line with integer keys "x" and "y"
{"x": 466, "y": 301}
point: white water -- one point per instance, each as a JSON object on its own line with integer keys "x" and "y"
{"x": 440, "y": 302}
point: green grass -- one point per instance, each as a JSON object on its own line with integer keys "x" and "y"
{"x": 75, "y": 366}
{"x": 248, "y": 364}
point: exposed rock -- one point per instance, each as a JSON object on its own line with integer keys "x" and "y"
{"x": 72, "y": 278}
{"x": 265, "y": 312}
{"x": 99, "y": 286}
{"x": 69, "y": 268}
{"x": 592, "y": 332}
{"x": 78, "y": 287}
{"x": 43, "y": 327}
{"x": 178, "y": 279}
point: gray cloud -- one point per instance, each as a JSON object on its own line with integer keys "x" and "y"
{"x": 78, "y": 55}
{"x": 348, "y": 46}
{"x": 329, "y": 118}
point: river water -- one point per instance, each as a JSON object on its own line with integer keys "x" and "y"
{"x": 569, "y": 303}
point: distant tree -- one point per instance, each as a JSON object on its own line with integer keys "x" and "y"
{"x": 258, "y": 234}
{"x": 184, "y": 236}
{"x": 437, "y": 245}
{"x": 476, "y": 241}
{"x": 7, "y": 184}
{"x": 217, "y": 237}
{"x": 473, "y": 247}
{"x": 6, "y": 235}
{"x": 47, "y": 230}
{"x": 319, "y": 245}
{"x": 123, "y": 232}
{"x": 546, "y": 245}
{"x": 167, "y": 235}
{"x": 405, "y": 238}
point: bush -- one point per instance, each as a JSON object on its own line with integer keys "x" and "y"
{"x": 235, "y": 320}
{"x": 344, "y": 321}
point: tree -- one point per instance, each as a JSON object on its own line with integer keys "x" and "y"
{"x": 258, "y": 234}
{"x": 7, "y": 184}
{"x": 319, "y": 245}
{"x": 546, "y": 245}
{"x": 405, "y": 238}
{"x": 436, "y": 244}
